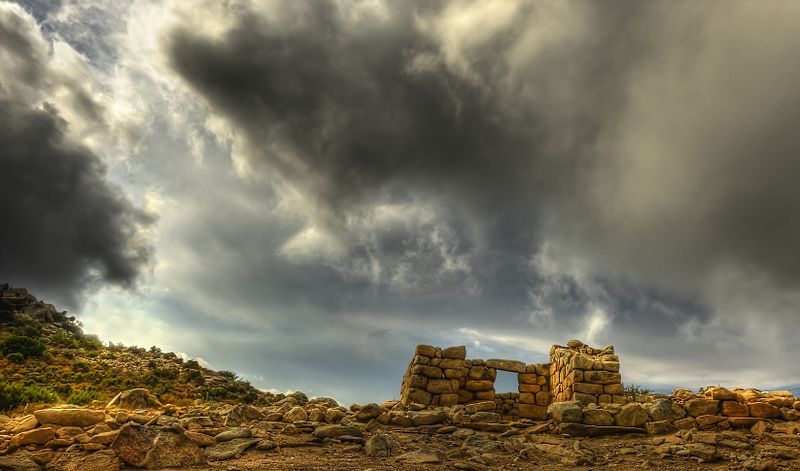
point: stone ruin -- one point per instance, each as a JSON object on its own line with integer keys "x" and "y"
{"x": 444, "y": 377}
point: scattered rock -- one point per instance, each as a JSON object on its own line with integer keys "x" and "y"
{"x": 230, "y": 434}
{"x": 37, "y": 436}
{"x": 154, "y": 448}
{"x": 380, "y": 445}
{"x": 368, "y": 412}
{"x": 229, "y": 449}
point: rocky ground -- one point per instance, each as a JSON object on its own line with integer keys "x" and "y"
{"x": 135, "y": 431}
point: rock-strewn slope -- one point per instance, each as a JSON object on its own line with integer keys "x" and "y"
{"x": 46, "y": 357}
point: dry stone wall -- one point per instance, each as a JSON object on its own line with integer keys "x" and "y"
{"x": 579, "y": 372}
{"x": 445, "y": 377}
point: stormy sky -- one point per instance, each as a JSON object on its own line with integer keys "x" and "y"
{"x": 301, "y": 191}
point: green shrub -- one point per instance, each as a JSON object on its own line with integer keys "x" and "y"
{"x": 27, "y": 346}
{"x": 633, "y": 390}
{"x": 14, "y": 395}
{"x": 194, "y": 376}
{"x": 15, "y": 357}
{"x": 84, "y": 397}
{"x": 192, "y": 365}
{"x": 90, "y": 342}
{"x": 229, "y": 374}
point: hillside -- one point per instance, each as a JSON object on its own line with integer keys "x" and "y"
{"x": 46, "y": 357}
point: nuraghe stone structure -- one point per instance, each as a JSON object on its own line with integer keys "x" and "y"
{"x": 444, "y": 377}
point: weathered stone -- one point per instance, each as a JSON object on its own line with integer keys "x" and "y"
{"x": 104, "y": 460}
{"x": 417, "y": 381}
{"x": 419, "y": 457}
{"x": 18, "y": 463}
{"x": 506, "y": 365}
{"x": 380, "y": 445}
{"x": 685, "y": 423}
{"x": 201, "y": 439}
{"x": 485, "y": 416}
{"x": 659, "y": 427}
{"x": 487, "y": 427}
{"x": 433, "y": 372}
{"x": 138, "y": 398}
{"x": 612, "y": 389}
{"x": 584, "y": 430}
{"x": 70, "y": 417}
{"x": 742, "y": 422}
{"x": 428, "y": 417}
{"x": 764, "y": 411}
{"x": 631, "y": 415}
{"x": 574, "y": 343}
{"x": 336, "y": 431}
{"x": 479, "y": 385}
{"x": 597, "y": 417}
{"x": 721, "y": 394}
{"x": 735, "y": 409}
{"x": 530, "y": 411}
{"x": 712, "y": 421}
{"x": 527, "y": 378}
{"x": 153, "y": 448}
{"x": 439, "y": 386}
{"x": 295, "y": 414}
{"x": 699, "y": 406}
{"x": 601, "y": 377}
{"x": 237, "y": 432}
{"x": 452, "y": 363}
{"x": 369, "y": 412}
{"x": 333, "y": 416}
{"x": 37, "y": 436}
{"x": 488, "y": 406}
{"x": 448, "y": 400}
{"x": 427, "y": 350}
{"x": 664, "y": 409}
{"x": 581, "y": 361}
{"x": 23, "y": 424}
{"x": 458, "y": 352}
{"x": 229, "y": 449}
{"x": 612, "y": 366}
{"x": 584, "y": 398}
{"x": 531, "y": 388}
{"x": 565, "y": 411}
{"x": 104, "y": 438}
{"x": 588, "y": 388}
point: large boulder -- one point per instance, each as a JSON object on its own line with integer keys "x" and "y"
{"x": 155, "y": 448}
{"x": 631, "y": 415}
{"x": 37, "y": 436}
{"x": 664, "y": 409}
{"x": 569, "y": 411}
{"x": 70, "y": 417}
{"x": 138, "y": 398}
{"x": 380, "y": 445}
{"x": 368, "y": 412}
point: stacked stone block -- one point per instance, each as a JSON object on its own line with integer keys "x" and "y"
{"x": 436, "y": 377}
{"x": 582, "y": 373}
{"x": 445, "y": 377}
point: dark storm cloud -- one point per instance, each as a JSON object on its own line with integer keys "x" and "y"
{"x": 65, "y": 227}
{"x": 355, "y": 114}
{"x": 578, "y": 134}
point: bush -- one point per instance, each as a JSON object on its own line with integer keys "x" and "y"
{"x": 15, "y": 357}
{"x": 15, "y": 395}
{"x": 192, "y": 365}
{"x": 229, "y": 374}
{"x": 84, "y": 397}
{"x": 26, "y": 346}
{"x": 633, "y": 390}
{"x": 194, "y": 376}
